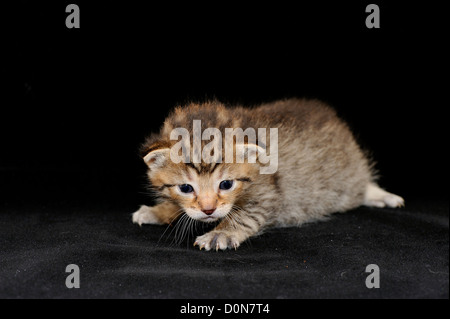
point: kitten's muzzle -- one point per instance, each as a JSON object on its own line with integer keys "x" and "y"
{"x": 207, "y": 203}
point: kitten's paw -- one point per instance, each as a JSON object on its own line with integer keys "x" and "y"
{"x": 217, "y": 240}
{"x": 378, "y": 197}
{"x": 392, "y": 200}
{"x": 145, "y": 216}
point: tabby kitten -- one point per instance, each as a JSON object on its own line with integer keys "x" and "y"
{"x": 320, "y": 170}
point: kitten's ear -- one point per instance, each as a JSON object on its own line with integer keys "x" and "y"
{"x": 157, "y": 158}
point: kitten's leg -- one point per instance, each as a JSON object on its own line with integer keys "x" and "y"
{"x": 232, "y": 231}
{"x": 378, "y": 197}
{"x": 163, "y": 213}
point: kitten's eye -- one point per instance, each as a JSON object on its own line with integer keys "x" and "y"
{"x": 186, "y": 188}
{"x": 226, "y": 184}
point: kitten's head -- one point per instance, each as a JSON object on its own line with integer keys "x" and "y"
{"x": 205, "y": 191}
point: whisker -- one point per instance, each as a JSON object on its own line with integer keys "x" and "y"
{"x": 179, "y": 228}
{"x": 184, "y": 230}
{"x": 230, "y": 218}
{"x": 178, "y": 213}
{"x": 191, "y": 230}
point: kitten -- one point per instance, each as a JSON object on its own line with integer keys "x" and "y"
{"x": 320, "y": 170}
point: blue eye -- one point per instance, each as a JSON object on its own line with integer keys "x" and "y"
{"x": 186, "y": 188}
{"x": 226, "y": 184}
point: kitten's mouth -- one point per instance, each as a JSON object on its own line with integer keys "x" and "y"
{"x": 200, "y": 216}
{"x": 208, "y": 219}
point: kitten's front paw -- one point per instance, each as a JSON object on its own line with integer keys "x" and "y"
{"x": 145, "y": 216}
{"x": 217, "y": 240}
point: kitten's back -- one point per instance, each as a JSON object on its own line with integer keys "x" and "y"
{"x": 321, "y": 167}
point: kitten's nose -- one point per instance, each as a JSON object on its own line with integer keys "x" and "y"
{"x": 207, "y": 203}
{"x": 208, "y": 211}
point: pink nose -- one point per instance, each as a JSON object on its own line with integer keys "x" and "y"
{"x": 208, "y": 211}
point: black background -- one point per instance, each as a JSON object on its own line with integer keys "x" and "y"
{"x": 77, "y": 104}
{"x": 80, "y": 101}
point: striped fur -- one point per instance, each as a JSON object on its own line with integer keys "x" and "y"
{"x": 321, "y": 170}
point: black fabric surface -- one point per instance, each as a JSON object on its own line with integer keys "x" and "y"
{"x": 118, "y": 259}
{"x": 77, "y": 103}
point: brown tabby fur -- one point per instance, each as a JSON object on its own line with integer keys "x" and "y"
{"x": 321, "y": 170}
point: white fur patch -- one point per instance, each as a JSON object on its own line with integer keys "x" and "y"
{"x": 145, "y": 216}
{"x": 378, "y": 197}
